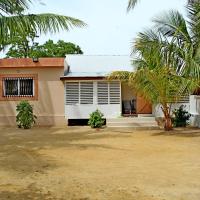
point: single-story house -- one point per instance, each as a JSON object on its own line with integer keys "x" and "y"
{"x": 38, "y": 82}
{"x": 64, "y": 89}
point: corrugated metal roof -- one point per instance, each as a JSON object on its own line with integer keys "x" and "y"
{"x": 93, "y": 66}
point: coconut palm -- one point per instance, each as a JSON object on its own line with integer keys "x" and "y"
{"x": 167, "y": 60}
{"x": 156, "y": 78}
{"x": 186, "y": 38}
{"x": 14, "y": 21}
{"x": 132, "y": 3}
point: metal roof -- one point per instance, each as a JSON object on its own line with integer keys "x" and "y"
{"x": 96, "y": 66}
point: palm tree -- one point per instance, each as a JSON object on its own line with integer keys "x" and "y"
{"x": 13, "y": 21}
{"x": 155, "y": 78}
{"x": 132, "y": 3}
{"x": 167, "y": 60}
{"x": 186, "y": 38}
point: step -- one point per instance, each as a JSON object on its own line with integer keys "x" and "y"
{"x": 132, "y": 119}
{"x": 133, "y": 122}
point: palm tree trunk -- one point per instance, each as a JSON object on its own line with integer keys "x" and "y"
{"x": 168, "y": 120}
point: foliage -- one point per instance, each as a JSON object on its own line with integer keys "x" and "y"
{"x": 25, "y": 117}
{"x": 15, "y": 21}
{"x": 131, "y": 4}
{"x": 23, "y": 47}
{"x": 181, "y": 117}
{"x": 167, "y": 60}
{"x": 96, "y": 119}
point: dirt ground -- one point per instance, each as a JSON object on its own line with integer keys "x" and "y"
{"x": 78, "y": 163}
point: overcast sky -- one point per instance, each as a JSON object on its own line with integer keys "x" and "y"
{"x": 110, "y": 29}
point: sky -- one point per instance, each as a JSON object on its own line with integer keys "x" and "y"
{"x": 111, "y": 30}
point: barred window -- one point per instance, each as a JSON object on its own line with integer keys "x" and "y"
{"x": 18, "y": 87}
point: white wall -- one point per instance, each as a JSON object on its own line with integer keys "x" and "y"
{"x": 157, "y": 111}
{"x": 83, "y": 111}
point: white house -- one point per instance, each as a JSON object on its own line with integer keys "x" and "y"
{"x": 86, "y": 88}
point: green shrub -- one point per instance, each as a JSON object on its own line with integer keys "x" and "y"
{"x": 25, "y": 117}
{"x": 96, "y": 119}
{"x": 181, "y": 117}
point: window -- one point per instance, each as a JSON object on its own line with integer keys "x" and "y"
{"x": 108, "y": 92}
{"x": 114, "y": 92}
{"x": 72, "y": 93}
{"x": 86, "y": 92}
{"x": 79, "y": 93}
{"x": 100, "y": 92}
{"x": 18, "y": 87}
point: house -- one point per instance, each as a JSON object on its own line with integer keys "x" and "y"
{"x": 67, "y": 90}
{"x": 87, "y": 89}
{"x": 38, "y": 82}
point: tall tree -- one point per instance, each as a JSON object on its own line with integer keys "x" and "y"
{"x": 167, "y": 60}
{"x": 23, "y": 47}
{"x": 14, "y": 20}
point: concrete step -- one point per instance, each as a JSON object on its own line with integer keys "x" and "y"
{"x": 135, "y": 122}
{"x": 132, "y": 119}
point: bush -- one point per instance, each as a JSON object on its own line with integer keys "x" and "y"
{"x": 181, "y": 117}
{"x": 96, "y": 119}
{"x": 25, "y": 117}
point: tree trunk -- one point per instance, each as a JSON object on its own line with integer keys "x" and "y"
{"x": 168, "y": 120}
{"x": 168, "y": 124}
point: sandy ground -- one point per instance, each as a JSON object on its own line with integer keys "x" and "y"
{"x": 82, "y": 164}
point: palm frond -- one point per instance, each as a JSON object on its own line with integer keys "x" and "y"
{"x": 131, "y": 4}
{"x": 10, "y": 7}
{"x": 14, "y": 25}
{"x": 172, "y": 24}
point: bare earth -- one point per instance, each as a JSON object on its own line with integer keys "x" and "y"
{"x": 111, "y": 164}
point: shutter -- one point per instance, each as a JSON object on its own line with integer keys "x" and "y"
{"x": 72, "y": 93}
{"x": 102, "y": 92}
{"x": 86, "y": 92}
{"x": 114, "y": 92}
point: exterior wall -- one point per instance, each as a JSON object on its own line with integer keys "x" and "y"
{"x": 142, "y": 106}
{"x": 127, "y": 92}
{"x": 157, "y": 112}
{"x": 195, "y": 110}
{"x": 49, "y": 108}
{"x": 83, "y": 111}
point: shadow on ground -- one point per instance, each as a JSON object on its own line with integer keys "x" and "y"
{"x": 31, "y": 192}
{"x": 181, "y": 132}
{"x": 19, "y": 149}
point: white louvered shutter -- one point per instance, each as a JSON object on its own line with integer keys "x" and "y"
{"x": 86, "y": 92}
{"x": 114, "y": 92}
{"x": 102, "y": 92}
{"x": 72, "y": 93}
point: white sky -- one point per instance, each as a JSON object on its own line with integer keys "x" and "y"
{"x": 111, "y": 29}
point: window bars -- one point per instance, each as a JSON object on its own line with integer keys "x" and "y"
{"x": 18, "y": 87}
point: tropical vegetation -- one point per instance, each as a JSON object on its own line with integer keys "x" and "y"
{"x": 15, "y": 20}
{"x": 25, "y": 117}
{"x": 25, "y": 47}
{"x": 181, "y": 117}
{"x": 96, "y": 119}
{"x": 167, "y": 60}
